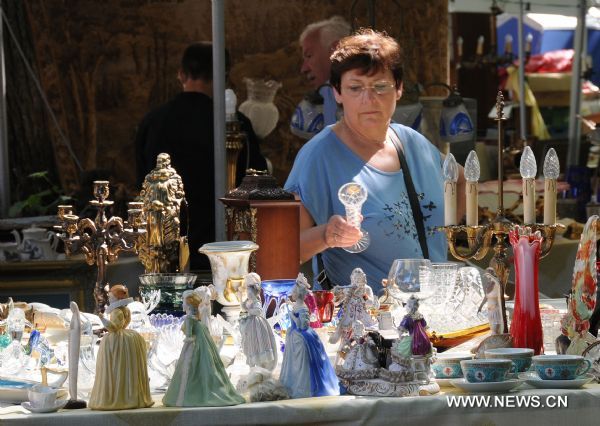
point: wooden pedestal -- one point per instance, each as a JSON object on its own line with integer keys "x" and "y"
{"x": 275, "y": 227}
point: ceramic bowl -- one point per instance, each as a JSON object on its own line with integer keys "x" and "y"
{"x": 486, "y": 370}
{"x": 447, "y": 366}
{"x": 560, "y": 367}
{"x": 520, "y": 357}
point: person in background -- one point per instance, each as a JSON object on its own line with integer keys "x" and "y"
{"x": 183, "y": 128}
{"x": 318, "y": 40}
{"x": 365, "y": 147}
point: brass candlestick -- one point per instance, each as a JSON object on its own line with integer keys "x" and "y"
{"x": 479, "y": 238}
{"x": 234, "y": 142}
{"x": 100, "y": 240}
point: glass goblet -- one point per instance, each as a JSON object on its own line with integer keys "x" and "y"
{"x": 353, "y": 195}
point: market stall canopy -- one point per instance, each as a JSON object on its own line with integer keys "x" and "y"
{"x": 551, "y": 33}
{"x": 564, "y": 7}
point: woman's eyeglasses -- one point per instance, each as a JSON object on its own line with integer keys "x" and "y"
{"x": 356, "y": 90}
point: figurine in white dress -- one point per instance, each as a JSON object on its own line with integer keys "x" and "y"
{"x": 258, "y": 340}
{"x": 361, "y": 361}
{"x": 355, "y": 300}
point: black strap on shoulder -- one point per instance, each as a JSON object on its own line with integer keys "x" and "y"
{"x": 322, "y": 278}
{"x": 412, "y": 196}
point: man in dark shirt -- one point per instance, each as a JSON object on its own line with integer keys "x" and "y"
{"x": 183, "y": 128}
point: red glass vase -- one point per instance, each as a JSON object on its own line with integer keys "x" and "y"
{"x": 526, "y": 325}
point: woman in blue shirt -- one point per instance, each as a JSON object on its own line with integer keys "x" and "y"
{"x": 366, "y": 74}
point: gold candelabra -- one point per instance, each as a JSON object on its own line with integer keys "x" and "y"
{"x": 481, "y": 238}
{"x": 102, "y": 239}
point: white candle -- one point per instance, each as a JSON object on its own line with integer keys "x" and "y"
{"x": 551, "y": 172}
{"x": 459, "y": 47}
{"x": 528, "y": 201}
{"x": 449, "y": 203}
{"x": 528, "y": 41}
{"x": 450, "y": 173}
{"x": 528, "y": 169}
{"x": 479, "y": 49}
{"x": 549, "y": 201}
{"x": 472, "y": 173}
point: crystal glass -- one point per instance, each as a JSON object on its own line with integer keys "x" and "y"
{"x": 353, "y": 195}
{"x": 171, "y": 288}
{"x": 461, "y": 308}
{"x": 165, "y": 349}
{"x": 409, "y": 277}
{"x": 551, "y": 327}
{"x": 443, "y": 281}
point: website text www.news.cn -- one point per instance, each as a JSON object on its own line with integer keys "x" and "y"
{"x": 507, "y": 401}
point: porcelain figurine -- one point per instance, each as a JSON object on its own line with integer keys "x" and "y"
{"x": 355, "y": 300}
{"x": 74, "y": 349}
{"x": 415, "y": 325}
{"x": 200, "y": 379}
{"x": 258, "y": 340}
{"x": 121, "y": 380}
{"x": 306, "y": 370}
{"x": 493, "y": 299}
{"x": 362, "y": 357}
{"x": 215, "y": 323}
{"x": 409, "y": 372}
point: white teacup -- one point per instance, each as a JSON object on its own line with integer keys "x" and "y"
{"x": 41, "y": 396}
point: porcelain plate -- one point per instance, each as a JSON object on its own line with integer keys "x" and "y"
{"x": 535, "y": 381}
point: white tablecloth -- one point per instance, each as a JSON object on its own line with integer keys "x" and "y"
{"x": 583, "y": 409}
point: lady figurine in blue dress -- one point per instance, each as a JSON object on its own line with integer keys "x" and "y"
{"x": 200, "y": 379}
{"x": 306, "y": 370}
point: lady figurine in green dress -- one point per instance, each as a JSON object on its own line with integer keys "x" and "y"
{"x": 200, "y": 380}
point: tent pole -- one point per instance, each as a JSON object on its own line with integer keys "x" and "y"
{"x": 522, "y": 111}
{"x": 218, "y": 34}
{"x": 4, "y": 164}
{"x": 575, "y": 103}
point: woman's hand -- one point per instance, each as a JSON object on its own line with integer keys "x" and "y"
{"x": 339, "y": 233}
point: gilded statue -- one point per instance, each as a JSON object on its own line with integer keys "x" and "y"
{"x": 163, "y": 249}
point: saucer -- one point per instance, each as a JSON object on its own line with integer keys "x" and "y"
{"x": 534, "y": 380}
{"x": 60, "y": 403}
{"x": 504, "y": 386}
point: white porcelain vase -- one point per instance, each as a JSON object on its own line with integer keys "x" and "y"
{"x": 229, "y": 261}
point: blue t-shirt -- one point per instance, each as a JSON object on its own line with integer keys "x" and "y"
{"x": 325, "y": 163}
